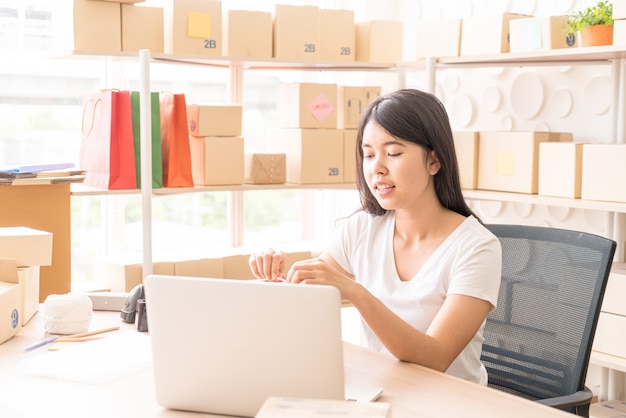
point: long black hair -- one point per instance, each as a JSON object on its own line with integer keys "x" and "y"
{"x": 419, "y": 117}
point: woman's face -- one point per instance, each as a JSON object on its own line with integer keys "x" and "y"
{"x": 398, "y": 172}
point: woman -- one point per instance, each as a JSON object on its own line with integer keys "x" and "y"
{"x": 417, "y": 264}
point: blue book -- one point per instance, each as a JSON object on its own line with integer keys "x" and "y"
{"x": 10, "y": 171}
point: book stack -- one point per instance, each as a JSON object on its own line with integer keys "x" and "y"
{"x": 51, "y": 173}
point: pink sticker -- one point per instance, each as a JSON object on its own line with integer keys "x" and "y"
{"x": 320, "y": 107}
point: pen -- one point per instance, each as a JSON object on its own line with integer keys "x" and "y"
{"x": 40, "y": 343}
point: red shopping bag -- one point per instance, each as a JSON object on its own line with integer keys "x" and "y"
{"x": 107, "y": 150}
{"x": 176, "y": 153}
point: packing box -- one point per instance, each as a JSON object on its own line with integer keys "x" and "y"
{"x": 607, "y": 409}
{"x": 313, "y": 155}
{"x": 247, "y": 34}
{"x": 439, "y": 38}
{"x": 236, "y": 266}
{"x": 349, "y": 155}
{"x": 619, "y": 9}
{"x": 296, "y": 32}
{"x": 89, "y": 26}
{"x": 142, "y": 28}
{"x": 466, "y": 145}
{"x": 337, "y": 35}
{"x": 29, "y": 247}
{"x": 10, "y": 300}
{"x": 619, "y": 32}
{"x": 265, "y": 168}
{"x": 123, "y": 1}
{"x": 603, "y": 172}
{"x": 540, "y": 33}
{"x": 199, "y": 267}
{"x": 351, "y": 103}
{"x": 508, "y": 161}
{"x": 487, "y": 34}
{"x": 28, "y": 278}
{"x": 216, "y": 161}
{"x": 121, "y": 273}
{"x": 560, "y": 169}
{"x": 307, "y": 105}
{"x": 379, "y": 41}
{"x": 192, "y": 27}
{"x": 214, "y": 120}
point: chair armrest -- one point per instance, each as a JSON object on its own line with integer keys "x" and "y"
{"x": 580, "y": 398}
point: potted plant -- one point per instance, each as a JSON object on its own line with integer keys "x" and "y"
{"x": 594, "y": 24}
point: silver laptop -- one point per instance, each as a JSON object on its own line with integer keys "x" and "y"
{"x": 223, "y": 346}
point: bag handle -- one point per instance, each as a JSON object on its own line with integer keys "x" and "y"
{"x": 93, "y": 116}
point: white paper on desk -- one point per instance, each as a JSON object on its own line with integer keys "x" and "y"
{"x": 97, "y": 361}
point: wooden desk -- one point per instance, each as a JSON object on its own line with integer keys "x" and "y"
{"x": 412, "y": 391}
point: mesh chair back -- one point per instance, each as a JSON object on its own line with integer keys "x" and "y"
{"x": 538, "y": 340}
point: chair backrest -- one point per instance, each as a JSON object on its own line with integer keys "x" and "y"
{"x": 538, "y": 340}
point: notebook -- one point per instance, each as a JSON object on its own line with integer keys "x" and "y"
{"x": 224, "y": 346}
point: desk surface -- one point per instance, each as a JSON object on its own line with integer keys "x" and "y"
{"x": 412, "y": 391}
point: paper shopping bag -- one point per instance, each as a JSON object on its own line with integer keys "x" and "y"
{"x": 175, "y": 141}
{"x": 155, "y": 118}
{"x": 107, "y": 152}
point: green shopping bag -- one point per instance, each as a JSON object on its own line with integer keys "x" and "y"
{"x": 157, "y": 159}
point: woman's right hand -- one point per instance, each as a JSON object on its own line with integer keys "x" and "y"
{"x": 268, "y": 265}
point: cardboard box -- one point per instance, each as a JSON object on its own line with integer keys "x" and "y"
{"x": 603, "y": 172}
{"x": 314, "y": 156}
{"x": 337, "y": 35}
{"x": 97, "y": 26}
{"x": 619, "y": 32}
{"x": 28, "y": 279}
{"x": 487, "y": 34}
{"x": 560, "y": 169}
{"x": 142, "y": 28}
{"x": 613, "y": 301}
{"x": 349, "y": 155}
{"x": 608, "y": 409}
{"x": 296, "y": 32}
{"x": 619, "y": 9}
{"x": 439, "y": 38}
{"x": 122, "y": 272}
{"x": 466, "y": 145}
{"x": 214, "y": 119}
{"x": 236, "y": 266}
{"x": 10, "y": 300}
{"x": 307, "y": 105}
{"x": 508, "y": 161}
{"x": 247, "y": 34}
{"x": 29, "y": 247}
{"x": 192, "y": 27}
{"x": 352, "y": 102}
{"x": 123, "y": 1}
{"x": 379, "y": 41}
{"x": 216, "y": 161}
{"x": 540, "y": 33}
{"x": 265, "y": 168}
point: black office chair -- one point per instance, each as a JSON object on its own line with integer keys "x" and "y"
{"x": 538, "y": 340}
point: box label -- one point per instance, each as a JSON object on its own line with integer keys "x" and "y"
{"x": 321, "y": 107}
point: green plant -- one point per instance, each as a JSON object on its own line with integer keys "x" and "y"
{"x": 600, "y": 14}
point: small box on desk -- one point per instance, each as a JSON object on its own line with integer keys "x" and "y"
{"x": 540, "y": 33}
{"x": 265, "y": 168}
{"x": 337, "y": 35}
{"x": 28, "y": 278}
{"x": 313, "y": 155}
{"x": 142, "y": 28}
{"x": 508, "y": 161}
{"x": 439, "y": 38}
{"x": 192, "y": 27}
{"x": 607, "y": 409}
{"x": 10, "y": 300}
{"x": 603, "y": 172}
{"x": 247, "y": 34}
{"x": 216, "y": 161}
{"x": 487, "y": 34}
{"x": 214, "y": 119}
{"x": 29, "y": 247}
{"x": 466, "y": 144}
{"x": 307, "y": 105}
{"x": 379, "y": 41}
{"x": 560, "y": 169}
{"x": 121, "y": 273}
{"x": 296, "y": 32}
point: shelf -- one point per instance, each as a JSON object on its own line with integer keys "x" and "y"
{"x": 246, "y": 63}
{"x": 82, "y": 190}
{"x": 535, "y": 199}
{"x": 600, "y": 54}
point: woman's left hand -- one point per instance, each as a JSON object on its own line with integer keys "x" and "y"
{"x": 321, "y": 271}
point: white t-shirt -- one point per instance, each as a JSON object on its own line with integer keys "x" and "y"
{"x": 468, "y": 262}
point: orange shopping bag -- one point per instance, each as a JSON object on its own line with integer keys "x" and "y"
{"x": 175, "y": 148}
{"x": 107, "y": 150}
